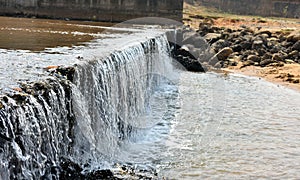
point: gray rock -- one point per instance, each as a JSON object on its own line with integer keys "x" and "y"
{"x": 218, "y": 65}
{"x": 293, "y": 37}
{"x": 257, "y": 44}
{"x": 212, "y": 37}
{"x": 237, "y": 48}
{"x": 294, "y": 54}
{"x": 246, "y": 45}
{"x": 247, "y": 63}
{"x": 220, "y": 44}
{"x": 224, "y": 53}
{"x": 266, "y": 32}
{"x": 266, "y": 62}
{"x": 254, "y": 58}
{"x": 286, "y": 44}
{"x": 267, "y": 56}
{"x": 195, "y": 39}
{"x": 192, "y": 50}
{"x": 296, "y": 46}
{"x": 277, "y": 57}
{"x": 214, "y": 60}
{"x": 289, "y": 61}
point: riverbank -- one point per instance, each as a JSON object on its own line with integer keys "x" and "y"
{"x": 264, "y": 47}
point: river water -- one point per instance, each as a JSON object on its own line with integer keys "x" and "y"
{"x": 195, "y": 125}
{"x": 223, "y": 127}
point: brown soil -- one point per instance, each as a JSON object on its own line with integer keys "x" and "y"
{"x": 193, "y": 15}
{"x": 287, "y": 75}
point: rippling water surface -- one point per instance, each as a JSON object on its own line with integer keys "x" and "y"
{"x": 218, "y": 126}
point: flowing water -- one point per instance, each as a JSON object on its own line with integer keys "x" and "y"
{"x": 224, "y": 127}
{"x": 128, "y": 104}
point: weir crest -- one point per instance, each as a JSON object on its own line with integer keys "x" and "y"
{"x": 82, "y": 112}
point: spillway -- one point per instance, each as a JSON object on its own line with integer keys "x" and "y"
{"x": 77, "y": 103}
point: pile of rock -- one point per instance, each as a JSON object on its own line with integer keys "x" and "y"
{"x": 251, "y": 47}
{"x": 217, "y": 47}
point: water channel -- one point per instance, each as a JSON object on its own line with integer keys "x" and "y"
{"x": 134, "y": 107}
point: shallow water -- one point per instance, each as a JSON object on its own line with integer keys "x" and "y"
{"x": 38, "y": 34}
{"x": 227, "y": 127}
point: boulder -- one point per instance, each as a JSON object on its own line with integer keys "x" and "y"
{"x": 212, "y": 37}
{"x": 193, "y": 52}
{"x": 294, "y": 37}
{"x": 277, "y": 57}
{"x": 220, "y": 44}
{"x": 267, "y": 56}
{"x": 187, "y": 60}
{"x": 286, "y": 44}
{"x": 294, "y": 54}
{"x": 296, "y": 46}
{"x": 289, "y": 61}
{"x": 236, "y": 48}
{"x": 224, "y": 53}
{"x": 246, "y": 45}
{"x": 213, "y": 60}
{"x": 190, "y": 64}
{"x": 247, "y": 63}
{"x": 257, "y": 44}
{"x": 266, "y": 62}
{"x": 254, "y": 58}
{"x": 266, "y": 32}
{"x": 195, "y": 39}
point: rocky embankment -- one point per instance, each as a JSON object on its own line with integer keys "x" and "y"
{"x": 275, "y": 52}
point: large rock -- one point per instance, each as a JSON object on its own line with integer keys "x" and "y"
{"x": 224, "y": 53}
{"x": 237, "y": 47}
{"x": 246, "y": 45}
{"x": 212, "y": 37}
{"x": 254, "y": 58}
{"x": 190, "y": 64}
{"x": 294, "y": 37}
{"x": 257, "y": 44}
{"x": 247, "y": 63}
{"x": 277, "y": 57}
{"x": 294, "y": 54}
{"x": 296, "y": 46}
{"x": 220, "y": 44}
{"x": 266, "y": 62}
{"x": 187, "y": 60}
{"x": 195, "y": 39}
{"x": 195, "y": 52}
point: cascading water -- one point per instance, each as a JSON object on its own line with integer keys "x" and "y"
{"x": 83, "y": 118}
{"x": 34, "y": 132}
{"x": 112, "y": 92}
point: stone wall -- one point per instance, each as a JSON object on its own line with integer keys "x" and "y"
{"x": 100, "y": 10}
{"x": 280, "y": 8}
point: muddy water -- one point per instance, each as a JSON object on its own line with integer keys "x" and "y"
{"x": 38, "y": 34}
{"x": 28, "y": 46}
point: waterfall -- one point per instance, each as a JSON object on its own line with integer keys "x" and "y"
{"x": 84, "y": 116}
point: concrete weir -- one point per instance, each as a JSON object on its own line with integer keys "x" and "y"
{"x": 67, "y": 108}
{"x": 98, "y": 10}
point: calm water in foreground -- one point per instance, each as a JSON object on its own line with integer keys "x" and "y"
{"x": 222, "y": 127}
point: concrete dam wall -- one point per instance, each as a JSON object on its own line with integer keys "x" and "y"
{"x": 279, "y": 8}
{"x": 98, "y": 10}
